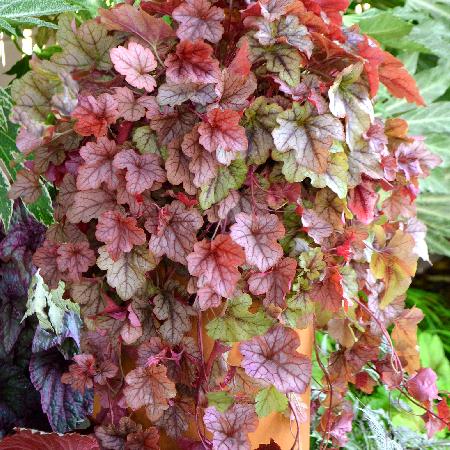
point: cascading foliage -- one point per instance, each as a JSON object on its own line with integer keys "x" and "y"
{"x": 219, "y": 165}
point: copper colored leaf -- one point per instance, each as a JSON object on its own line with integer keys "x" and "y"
{"x": 273, "y": 358}
{"x": 230, "y": 429}
{"x": 125, "y": 17}
{"x": 258, "y": 235}
{"x": 94, "y": 114}
{"x": 135, "y": 62}
{"x": 75, "y": 258}
{"x": 422, "y": 386}
{"x": 234, "y": 89}
{"x": 45, "y": 258}
{"x": 307, "y": 135}
{"x": 174, "y": 229}
{"x": 26, "y": 186}
{"x": 98, "y": 165}
{"x": 33, "y": 440}
{"x": 131, "y": 108}
{"x": 149, "y": 387}
{"x": 275, "y": 283}
{"x": 192, "y": 62}
{"x": 199, "y": 20}
{"x": 87, "y": 292}
{"x": 127, "y": 274}
{"x": 177, "y": 168}
{"x": 142, "y": 170}
{"x": 172, "y": 124}
{"x": 119, "y": 232}
{"x": 329, "y": 291}
{"x": 216, "y": 264}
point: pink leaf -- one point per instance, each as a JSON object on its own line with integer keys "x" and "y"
{"x": 275, "y": 283}
{"x": 26, "y": 186}
{"x": 258, "y": 235}
{"x": 129, "y": 107}
{"x": 192, "y": 62}
{"x": 273, "y": 358}
{"x": 98, "y": 165}
{"x": 216, "y": 264}
{"x": 95, "y": 114}
{"x": 422, "y": 386}
{"x": 76, "y": 258}
{"x": 174, "y": 229}
{"x": 135, "y": 62}
{"x": 362, "y": 202}
{"x": 119, "y": 232}
{"x": 142, "y": 170}
{"x": 221, "y": 133}
{"x": 199, "y": 20}
{"x": 230, "y": 429}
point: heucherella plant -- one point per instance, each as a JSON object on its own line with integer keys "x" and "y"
{"x": 218, "y": 166}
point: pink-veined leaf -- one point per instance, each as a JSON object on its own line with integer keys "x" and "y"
{"x": 174, "y": 229}
{"x": 120, "y": 233}
{"x": 258, "y": 235}
{"x": 135, "y": 62}
{"x": 199, "y": 20}
{"x": 95, "y": 114}
{"x": 177, "y": 168}
{"x": 230, "y": 429}
{"x": 192, "y": 62}
{"x": 98, "y": 165}
{"x": 362, "y": 202}
{"x": 142, "y": 170}
{"x": 75, "y": 258}
{"x": 172, "y": 124}
{"x": 318, "y": 228}
{"x": 131, "y": 108}
{"x": 45, "y": 258}
{"x": 422, "y": 386}
{"x": 221, "y": 133}
{"x": 273, "y": 358}
{"x": 275, "y": 283}
{"x": 216, "y": 264}
{"x": 329, "y": 291}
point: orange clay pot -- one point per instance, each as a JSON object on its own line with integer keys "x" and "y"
{"x": 275, "y": 426}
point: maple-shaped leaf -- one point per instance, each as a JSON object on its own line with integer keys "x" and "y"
{"x": 270, "y": 400}
{"x": 227, "y": 179}
{"x": 45, "y": 258}
{"x": 275, "y": 283}
{"x": 199, "y": 20}
{"x": 147, "y": 439}
{"x": 233, "y": 89}
{"x": 87, "y": 292}
{"x": 142, "y": 170}
{"x": 175, "y": 316}
{"x": 394, "y": 75}
{"x": 90, "y": 204}
{"x": 273, "y": 358}
{"x": 125, "y": 17}
{"x": 349, "y": 98}
{"x": 216, "y": 264}
{"x": 274, "y": 9}
{"x": 177, "y": 168}
{"x": 113, "y": 436}
{"x": 76, "y": 258}
{"x": 135, "y": 62}
{"x": 329, "y": 291}
{"x": 260, "y": 120}
{"x": 221, "y": 133}
{"x": 258, "y": 235}
{"x": 172, "y": 124}
{"x": 81, "y": 373}
{"x": 25, "y": 439}
{"x": 307, "y": 135}
{"x": 362, "y": 202}
{"x": 237, "y": 323}
{"x": 288, "y": 30}
{"x": 192, "y": 62}
{"x": 98, "y": 165}
{"x": 131, "y": 108}
{"x": 404, "y": 336}
{"x": 26, "y": 186}
{"x": 119, "y": 232}
{"x": 230, "y": 429}
{"x": 202, "y": 163}
{"x": 95, "y": 114}
{"x": 395, "y": 264}
{"x": 149, "y": 387}
{"x": 317, "y": 227}
{"x": 422, "y": 386}
{"x": 177, "y": 93}
{"x": 174, "y": 228}
{"x": 127, "y": 274}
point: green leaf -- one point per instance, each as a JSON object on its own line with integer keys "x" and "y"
{"x": 286, "y": 62}
{"x": 6, "y": 205}
{"x": 431, "y": 119}
{"x": 437, "y": 9}
{"x": 228, "y": 178}
{"x": 237, "y": 323}
{"x": 26, "y": 12}
{"x": 42, "y": 208}
{"x": 5, "y": 107}
{"x": 145, "y": 140}
{"x": 270, "y": 400}
{"x": 434, "y": 35}
{"x": 221, "y": 400}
